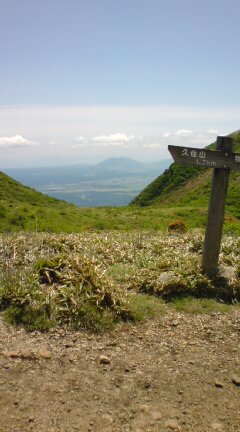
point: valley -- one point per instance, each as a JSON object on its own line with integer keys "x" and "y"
{"x": 113, "y": 182}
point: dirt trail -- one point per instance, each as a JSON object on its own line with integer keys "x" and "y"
{"x": 179, "y": 372}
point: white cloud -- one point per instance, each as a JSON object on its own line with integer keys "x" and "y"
{"x": 114, "y": 138}
{"x": 166, "y": 134}
{"x": 153, "y": 145}
{"x": 15, "y": 142}
{"x": 79, "y": 142}
{"x": 80, "y": 139}
{"x": 184, "y": 132}
{"x": 53, "y": 143}
{"x": 213, "y": 131}
{"x": 79, "y": 145}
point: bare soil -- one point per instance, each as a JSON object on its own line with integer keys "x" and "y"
{"x": 177, "y": 372}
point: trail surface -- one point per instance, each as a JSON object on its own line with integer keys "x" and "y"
{"x": 179, "y": 372}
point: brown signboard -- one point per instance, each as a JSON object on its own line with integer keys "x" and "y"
{"x": 205, "y": 158}
{"x": 222, "y": 161}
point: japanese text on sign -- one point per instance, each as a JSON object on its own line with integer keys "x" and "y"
{"x": 200, "y": 156}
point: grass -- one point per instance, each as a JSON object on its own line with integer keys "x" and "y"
{"x": 192, "y": 305}
{"x": 144, "y": 307}
{"x": 95, "y": 280}
{"x": 23, "y": 209}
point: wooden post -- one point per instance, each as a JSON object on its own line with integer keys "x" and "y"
{"x": 216, "y": 212}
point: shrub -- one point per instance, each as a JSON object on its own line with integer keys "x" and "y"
{"x": 177, "y": 226}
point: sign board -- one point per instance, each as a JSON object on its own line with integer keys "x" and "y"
{"x": 222, "y": 161}
{"x": 205, "y": 158}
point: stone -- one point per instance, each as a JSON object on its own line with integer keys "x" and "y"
{"x": 144, "y": 408}
{"x": 165, "y": 277}
{"x": 157, "y": 416}
{"x": 12, "y": 354}
{"x": 172, "y": 424}
{"x": 27, "y": 355}
{"x": 104, "y": 359}
{"x": 44, "y": 354}
{"x": 217, "y": 426}
{"x": 236, "y": 380}
{"x": 218, "y": 384}
{"x": 226, "y": 273}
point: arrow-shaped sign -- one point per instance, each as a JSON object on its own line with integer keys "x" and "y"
{"x": 205, "y": 158}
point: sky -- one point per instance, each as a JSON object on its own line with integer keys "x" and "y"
{"x": 84, "y": 80}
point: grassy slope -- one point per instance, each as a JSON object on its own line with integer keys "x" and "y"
{"x": 174, "y": 195}
{"x": 24, "y": 209}
{"x": 189, "y": 186}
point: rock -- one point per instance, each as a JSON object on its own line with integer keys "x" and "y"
{"x": 144, "y": 408}
{"x": 217, "y": 426}
{"x": 218, "y": 384}
{"x": 165, "y": 277}
{"x": 44, "y": 354}
{"x": 226, "y": 273}
{"x": 27, "y": 355}
{"x": 157, "y": 416}
{"x": 12, "y": 354}
{"x": 23, "y": 354}
{"x": 172, "y": 424}
{"x": 104, "y": 359}
{"x": 236, "y": 380}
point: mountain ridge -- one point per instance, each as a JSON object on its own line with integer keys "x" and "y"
{"x": 180, "y": 185}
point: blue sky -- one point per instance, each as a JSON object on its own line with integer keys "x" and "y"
{"x": 81, "y": 80}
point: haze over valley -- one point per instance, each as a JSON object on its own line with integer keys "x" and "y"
{"x": 113, "y": 182}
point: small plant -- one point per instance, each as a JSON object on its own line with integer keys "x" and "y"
{"x": 142, "y": 306}
{"x": 177, "y": 226}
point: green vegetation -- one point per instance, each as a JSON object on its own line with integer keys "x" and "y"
{"x": 199, "y": 306}
{"x": 93, "y": 281}
{"x": 169, "y": 181}
{"x": 189, "y": 187}
{"x": 121, "y": 264}
{"x": 145, "y": 307}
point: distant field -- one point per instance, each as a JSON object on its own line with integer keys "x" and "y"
{"x": 113, "y": 182}
{"x": 96, "y": 193}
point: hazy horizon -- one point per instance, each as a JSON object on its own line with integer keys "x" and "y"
{"x": 87, "y": 80}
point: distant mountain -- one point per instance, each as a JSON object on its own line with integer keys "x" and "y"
{"x": 120, "y": 163}
{"x": 113, "y": 182}
{"x": 189, "y": 186}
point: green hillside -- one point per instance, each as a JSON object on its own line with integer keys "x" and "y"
{"x": 176, "y": 194}
{"x": 189, "y": 186}
{"x": 24, "y": 209}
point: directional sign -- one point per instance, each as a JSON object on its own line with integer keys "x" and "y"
{"x": 205, "y": 158}
{"x": 222, "y": 161}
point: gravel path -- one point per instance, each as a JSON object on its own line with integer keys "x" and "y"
{"x": 180, "y": 372}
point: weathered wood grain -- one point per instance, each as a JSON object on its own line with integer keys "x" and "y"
{"x": 205, "y": 158}
{"x": 216, "y": 212}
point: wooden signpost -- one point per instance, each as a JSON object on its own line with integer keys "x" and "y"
{"x": 222, "y": 161}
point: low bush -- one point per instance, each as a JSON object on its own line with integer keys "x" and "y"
{"x": 177, "y": 226}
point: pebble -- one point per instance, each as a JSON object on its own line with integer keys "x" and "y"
{"x": 218, "y": 384}
{"x": 104, "y": 359}
{"x": 27, "y": 355}
{"x": 157, "y": 416}
{"x": 172, "y": 424}
{"x": 217, "y": 426}
{"x": 144, "y": 408}
{"x": 12, "y": 354}
{"x": 236, "y": 380}
{"x": 44, "y": 354}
